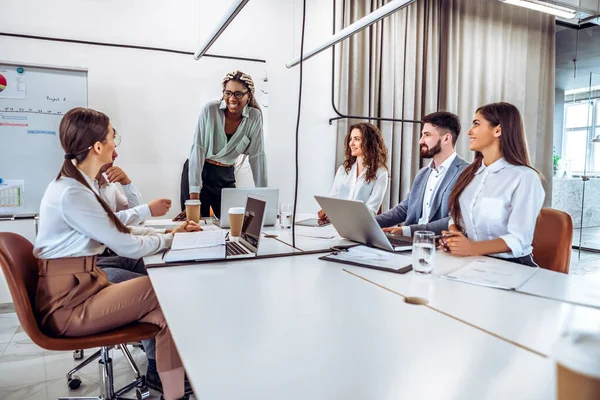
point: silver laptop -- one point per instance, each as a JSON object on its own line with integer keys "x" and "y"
{"x": 252, "y": 224}
{"x": 236, "y": 197}
{"x": 354, "y": 221}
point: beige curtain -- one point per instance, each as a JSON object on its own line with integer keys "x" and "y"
{"x": 390, "y": 70}
{"x": 452, "y": 55}
{"x": 498, "y": 52}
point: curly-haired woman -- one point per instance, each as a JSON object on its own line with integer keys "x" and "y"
{"x": 226, "y": 128}
{"x": 364, "y": 174}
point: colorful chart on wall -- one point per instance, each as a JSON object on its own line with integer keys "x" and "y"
{"x": 3, "y": 83}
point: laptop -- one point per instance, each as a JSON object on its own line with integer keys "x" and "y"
{"x": 252, "y": 223}
{"x": 354, "y": 221}
{"x": 236, "y": 197}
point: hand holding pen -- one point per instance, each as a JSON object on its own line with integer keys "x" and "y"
{"x": 456, "y": 243}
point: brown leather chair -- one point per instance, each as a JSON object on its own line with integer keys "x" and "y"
{"x": 552, "y": 240}
{"x": 21, "y": 271}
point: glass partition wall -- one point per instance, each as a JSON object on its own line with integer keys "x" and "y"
{"x": 576, "y": 177}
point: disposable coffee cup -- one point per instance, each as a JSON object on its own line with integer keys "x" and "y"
{"x": 192, "y": 210}
{"x": 577, "y": 356}
{"x": 236, "y": 216}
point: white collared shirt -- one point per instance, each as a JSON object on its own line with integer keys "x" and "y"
{"x": 349, "y": 186}
{"x": 503, "y": 201}
{"x": 433, "y": 183}
{"x": 127, "y": 204}
{"x": 73, "y": 223}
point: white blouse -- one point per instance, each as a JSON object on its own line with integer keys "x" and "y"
{"x": 503, "y": 201}
{"x": 349, "y": 186}
{"x": 73, "y": 223}
{"x": 128, "y": 207}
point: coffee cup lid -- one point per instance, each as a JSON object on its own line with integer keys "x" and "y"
{"x": 579, "y": 351}
{"x": 237, "y": 210}
{"x": 192, "y": 202}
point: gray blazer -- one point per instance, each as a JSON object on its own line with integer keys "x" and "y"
{"x": 410, "y": 209}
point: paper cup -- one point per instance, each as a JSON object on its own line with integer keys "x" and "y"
{"x": 192, "y": 210}
{"x": 236, "y": 216}
{"x": 577, "y": 356}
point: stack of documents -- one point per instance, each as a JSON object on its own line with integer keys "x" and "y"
{"x": 369, "y": 257}
{"x": 493, "y": 273}
{"x": 203, "y": 245}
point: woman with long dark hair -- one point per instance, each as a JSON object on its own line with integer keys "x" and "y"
{"x": 497, "y": 199}
{"x": 364, "y": 174}
{"x": 226, "y": 129}
{"x": 74, "y": 297}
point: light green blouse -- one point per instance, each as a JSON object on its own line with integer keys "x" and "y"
{"x": 210, "y": 142}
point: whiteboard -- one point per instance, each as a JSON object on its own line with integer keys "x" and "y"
{"x": 33, "y": 100}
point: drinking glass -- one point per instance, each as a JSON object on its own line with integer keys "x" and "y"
{"x": 423, "y": 252}
{"x": 285, "y": 215}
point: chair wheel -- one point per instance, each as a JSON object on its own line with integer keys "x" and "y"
{"x": 78, "y": 354}
{"x": 74, "y": 383}
{"x": 142, "y": 393}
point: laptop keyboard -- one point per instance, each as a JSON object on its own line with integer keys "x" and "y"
{"x": 397, "y": 242}
{"x": 235, "y": 249}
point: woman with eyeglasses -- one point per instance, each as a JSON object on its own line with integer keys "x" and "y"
{"x": 226, "y": 129}
{"x": 74, "y": 297}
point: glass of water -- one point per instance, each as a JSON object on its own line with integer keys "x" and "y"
{"x": 285, "y": 215}
{"x": 423, "y": 252}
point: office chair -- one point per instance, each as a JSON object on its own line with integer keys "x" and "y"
{"x": 184, "y": 188}
{"x": 184, "y": 192}
{"x": 552, "y": 240}
{"x": 20, "y": 268}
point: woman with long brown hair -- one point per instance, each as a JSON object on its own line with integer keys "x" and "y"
{"x": 496, "y": 200}
{"x": 74, "y": 297}
{"x": 364, "y": 174}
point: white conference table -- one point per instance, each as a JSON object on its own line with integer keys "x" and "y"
{"x": 309, "y": 238}
{"x": 531, "y": 321}
{"x": 301, "y": 328}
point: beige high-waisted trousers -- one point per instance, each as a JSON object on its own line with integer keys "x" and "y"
{"x": 74, "y": 298}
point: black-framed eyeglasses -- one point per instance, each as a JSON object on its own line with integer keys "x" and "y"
{"x": 238, "y": 95}
{"x": 117, "y": 139}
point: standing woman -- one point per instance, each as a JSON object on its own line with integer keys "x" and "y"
{"x": 363, "y": 175}
{"x": 73, "y": 295}
{"x": 226, "y": 128}
{"x": 497, "y": 199}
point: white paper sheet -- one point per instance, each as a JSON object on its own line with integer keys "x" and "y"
{"x": 493, "y": 273}
{"x": 196, "y": 240}
{"x": 373, "y": 257}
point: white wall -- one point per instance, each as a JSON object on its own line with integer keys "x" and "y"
{"x": 118, "y": 83}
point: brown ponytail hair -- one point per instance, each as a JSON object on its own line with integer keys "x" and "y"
{"x": 513, "y": 147}
{"x": 81, "y": 128}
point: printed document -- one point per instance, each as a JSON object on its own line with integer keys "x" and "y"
{"x": 494, "y": 273}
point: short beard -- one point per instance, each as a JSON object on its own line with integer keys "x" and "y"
{"x": 432, "y": 151}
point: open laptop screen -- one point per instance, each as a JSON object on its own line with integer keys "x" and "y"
{"x": 253, "y": 220}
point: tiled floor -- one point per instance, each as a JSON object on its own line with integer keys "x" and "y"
{"x": 28, "y": 372}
